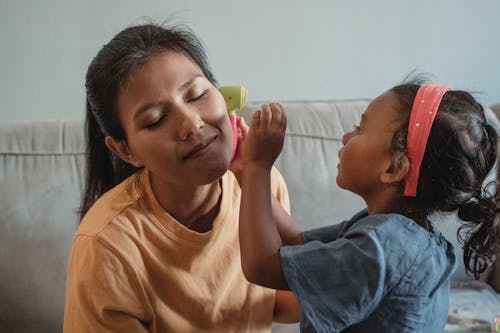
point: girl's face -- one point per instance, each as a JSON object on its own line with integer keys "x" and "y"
{"x": 366, "y": 155}
{"x": 175, "y": 121}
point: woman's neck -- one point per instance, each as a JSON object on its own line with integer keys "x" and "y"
{"x": 195, "y": 207}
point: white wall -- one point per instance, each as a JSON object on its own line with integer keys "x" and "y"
{"x": 279, "y": 49}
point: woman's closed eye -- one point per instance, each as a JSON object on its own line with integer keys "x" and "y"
{"x": 199, "y": 97}
{"x": 356, "y": 128}
{"x": 155, "y": 123}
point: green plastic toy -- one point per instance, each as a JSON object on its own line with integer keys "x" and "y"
{"x": 235, "y": 97}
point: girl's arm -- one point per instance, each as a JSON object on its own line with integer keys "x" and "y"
{"x": 286, "y": 307}
{"x": 260, "y": 239}
{"x": 262, "y": 222}
{"x": 289, "y": 231}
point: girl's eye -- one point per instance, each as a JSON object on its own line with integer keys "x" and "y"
{"x": 197, "y": 98}
{"x": 356, "y": 128}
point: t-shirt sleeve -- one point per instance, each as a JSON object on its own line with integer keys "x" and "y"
{"x": 102, "y": 293}
{"x": 337, "y": 283}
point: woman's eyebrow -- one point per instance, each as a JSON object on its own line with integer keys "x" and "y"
{"x": 151, "y": 105}
{"x": 146, "y": 107}
{"x": 189, "y": 82}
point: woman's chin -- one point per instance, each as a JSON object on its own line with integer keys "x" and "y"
{"x": 214, "y": 171}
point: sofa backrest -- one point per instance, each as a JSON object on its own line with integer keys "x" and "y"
{"x": 41, "y": 174}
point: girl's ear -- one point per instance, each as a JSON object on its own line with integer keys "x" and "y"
{"x": 397, "y": 171}
{"x": 121, "y": 149}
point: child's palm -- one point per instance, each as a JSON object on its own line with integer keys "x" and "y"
{"x": 266, "y": 136}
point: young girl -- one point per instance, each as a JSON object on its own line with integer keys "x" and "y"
{"x": 157, "y": 249}
{"x": 388, "y": 268}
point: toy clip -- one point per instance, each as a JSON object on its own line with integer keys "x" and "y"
{"x": 235, "y": 98}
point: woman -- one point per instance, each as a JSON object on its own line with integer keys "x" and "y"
{"x": 157, "y": 249}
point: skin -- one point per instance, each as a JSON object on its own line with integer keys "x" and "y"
{"x": 371, "y": 141}
{"x": 261, "y": 220}
{"x": 169, "y": 111}
{"x": 177, "y": 127}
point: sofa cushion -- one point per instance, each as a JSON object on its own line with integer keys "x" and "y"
{"x": 41, "y": 174}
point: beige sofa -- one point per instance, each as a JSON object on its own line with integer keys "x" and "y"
{"x": 41, "y": 176}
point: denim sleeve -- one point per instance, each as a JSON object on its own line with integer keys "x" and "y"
{"x": 336, "y": 283}
{"x": 325, "y": 234}
{"x": 332, "y": 232}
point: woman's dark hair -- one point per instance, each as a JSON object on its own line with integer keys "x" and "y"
{"x": 461, "y": 152}
{"x": 108, "y": 71}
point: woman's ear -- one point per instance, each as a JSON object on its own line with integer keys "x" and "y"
{"x": 397, "y": 171}
{"x": 121, "y": 149}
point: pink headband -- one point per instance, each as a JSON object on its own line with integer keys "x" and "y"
{"x": 423, "y": 112}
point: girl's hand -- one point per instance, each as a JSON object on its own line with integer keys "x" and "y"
{"x": 266, "y": 136}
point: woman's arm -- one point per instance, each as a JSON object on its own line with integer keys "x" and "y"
{"x": 286, "y": 307}
{"x": 100, "y": 295}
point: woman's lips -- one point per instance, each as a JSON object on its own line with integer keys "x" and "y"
{"x": 200, "y": 148}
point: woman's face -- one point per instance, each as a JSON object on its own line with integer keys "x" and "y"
{"x": 175, "y": 121}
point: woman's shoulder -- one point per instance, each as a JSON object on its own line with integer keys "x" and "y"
{"x": 112, "y": 205}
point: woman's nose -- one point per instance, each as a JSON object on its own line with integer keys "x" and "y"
{"x": 190, "y": 123}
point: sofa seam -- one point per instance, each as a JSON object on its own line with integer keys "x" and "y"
{"x": 41, "y": 154}
{"x": 312, "y": 136}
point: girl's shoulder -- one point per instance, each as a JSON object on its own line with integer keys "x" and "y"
{"x": 389, "y": 224}
{"x": 395, "y": 230}
{"x": 406, "y": 246}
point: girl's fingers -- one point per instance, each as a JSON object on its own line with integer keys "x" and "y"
{"x": 283, "y": 117}
{"x": 270, "y": 115}
{"x": 256, "y": 119}
{"x": 242, "y": 128}
{"x": 266, "y": 116}
{"x": 276, "y": 114}
{"x": 242, "y": 123}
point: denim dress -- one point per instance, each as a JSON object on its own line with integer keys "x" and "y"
{"x": 373, "y": 273}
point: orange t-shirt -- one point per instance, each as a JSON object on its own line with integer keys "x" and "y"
{"x": 134, "y": 268}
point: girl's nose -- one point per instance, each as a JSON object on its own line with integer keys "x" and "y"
{"x": 346, "y": 137}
